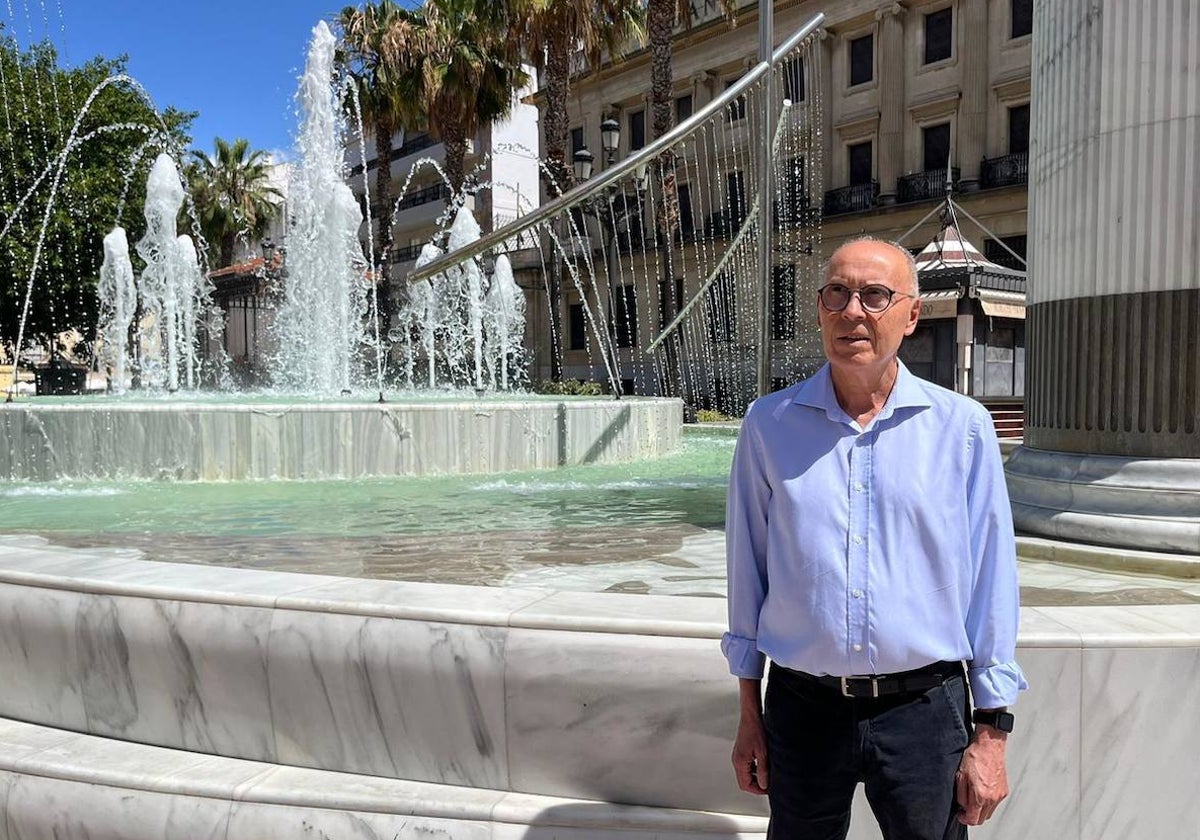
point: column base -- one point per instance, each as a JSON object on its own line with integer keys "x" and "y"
{"x": 1141, "y": 503}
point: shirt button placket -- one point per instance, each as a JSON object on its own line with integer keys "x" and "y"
{"x": 859, "y": 554}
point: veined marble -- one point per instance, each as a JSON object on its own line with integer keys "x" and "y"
{"x": 494, "y": 700}
{"x": 211, "y": 441}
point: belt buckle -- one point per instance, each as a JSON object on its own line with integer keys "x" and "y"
{"x": 846, "y": 686}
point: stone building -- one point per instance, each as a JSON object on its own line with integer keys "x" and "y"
{"x": 905, "y": 88}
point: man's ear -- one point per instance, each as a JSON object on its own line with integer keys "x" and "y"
{"x": 914, "y": 314}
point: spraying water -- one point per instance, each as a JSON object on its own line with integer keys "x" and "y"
{"x": 504, "y": 319}
{"x": 320, "y": 322}
{"x": 118, "y": 301}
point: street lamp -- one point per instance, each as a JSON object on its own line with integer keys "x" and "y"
{"x": 610, "y": 212}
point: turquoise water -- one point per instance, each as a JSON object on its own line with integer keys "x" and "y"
{"x": 452, "y": 528}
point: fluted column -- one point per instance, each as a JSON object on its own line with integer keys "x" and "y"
{"x": 1113, "y": 375}
{"x": 891, "y": 99}
{"x": 972, "y": 112}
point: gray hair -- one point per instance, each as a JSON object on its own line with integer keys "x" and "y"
{"x": 909, "y": 260}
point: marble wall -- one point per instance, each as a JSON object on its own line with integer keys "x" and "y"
{"x": 42, "y": 441}
{"x": 507, "y": 713}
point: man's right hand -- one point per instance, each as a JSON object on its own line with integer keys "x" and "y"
{"x": 750, "y": 755}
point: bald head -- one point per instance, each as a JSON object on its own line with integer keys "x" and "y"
{"x": 903, "y": 271}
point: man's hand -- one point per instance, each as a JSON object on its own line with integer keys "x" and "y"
{"x": 981, "y": 781}
{"x": 750, "y": 755}
{"x": 750, "y": 745}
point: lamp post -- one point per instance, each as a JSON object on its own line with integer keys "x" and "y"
{"x": 603, "y": 209}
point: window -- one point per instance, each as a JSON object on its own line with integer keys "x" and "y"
{"x": 860, "y": 163}
{"x": 1018, "y": 129}
{"x": 663, "y": 320}
{"x": 993, "y": 251}
{"x": 862, "y": 60}
{"x": 793, "y": 193}
{"x": 687, "y": 222}
{"x": 735, "y": 200}
{"x": 577, "y": 331}
{"x": 576, "y": 140}
{"x": 793, "y": 80}
{"x": 683, "y": 108}
{"x": 622, "y": 317}
{"x": 939, "y": 35}
{"x": 722, "y": 305}
{"x": 783, "y": 303}
{"x": 936, "y": 142}
{"x": 1022, "y": 17}
{"x": 637, "y": 130}
{"x": 737, "y": 108}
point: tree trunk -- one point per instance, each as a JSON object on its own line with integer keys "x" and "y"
{"x": 454, "y": 138}
{"x": 561, "y": 176}
{"x": 228, "y": 241}
{"x": 383, "y": 192}
{"x": 661, "y": 25}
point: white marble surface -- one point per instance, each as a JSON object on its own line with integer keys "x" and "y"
{"x": 1141, "y": 743}
{"x": 213, "y": 441}
{"x": 622, "y": 718}
{"x": 567, "y": 695}
{"x": 406, "y": 699}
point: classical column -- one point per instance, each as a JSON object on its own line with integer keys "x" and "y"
{"x": 891, "y": 71}
{"x": 1113, "y": 379}
{"x": 972, "y": 37}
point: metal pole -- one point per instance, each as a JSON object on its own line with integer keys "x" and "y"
{"x": 766, "y": 221}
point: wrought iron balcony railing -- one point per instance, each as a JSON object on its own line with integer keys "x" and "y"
{"x": 851, "y": 199}
{"x": 406, "y": 253}
{"x": 438, "y": 192}
{"x": 923, "y": 185}
{"x": 1005, "y": 170}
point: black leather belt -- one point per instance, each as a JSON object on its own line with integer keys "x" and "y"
{"x": 883, "y": 685}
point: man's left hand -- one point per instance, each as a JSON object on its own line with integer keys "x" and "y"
{"x": 982, "y": 782}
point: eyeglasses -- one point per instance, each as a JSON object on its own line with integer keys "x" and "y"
{"x": 874, "y": 298}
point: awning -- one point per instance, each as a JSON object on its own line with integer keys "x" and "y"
{"x": 1002, "y": 304}
{"x": 940, "y": 304}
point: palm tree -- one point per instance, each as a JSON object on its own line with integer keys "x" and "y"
{"x": 554, "y": 30}
{"x": 233, "y": 195}
{"x": 373, "y": 43}
{"x": 470, "y": 67}
{"x": 662, "y": 17}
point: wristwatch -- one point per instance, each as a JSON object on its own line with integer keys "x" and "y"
{"x": 998, "y": 719}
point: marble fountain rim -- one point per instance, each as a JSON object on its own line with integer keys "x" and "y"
{"x": 250, "y": 407}
{"x": 33, "y": 561}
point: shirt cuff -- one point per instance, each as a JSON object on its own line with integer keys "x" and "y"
{"x": 996, "y": 685}
{"x": 743, "y": 656}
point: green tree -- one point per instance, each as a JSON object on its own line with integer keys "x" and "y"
{"x": 553, "y": 31}
{"x": 102, "y": 184}
{"x": 233, "y": 196}
{"x": 372, "y": 44}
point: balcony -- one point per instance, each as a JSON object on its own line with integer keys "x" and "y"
{"x": 923, "y": 185}
{"x": 1004, "y": 171}
{"x": 406, "y": 253}
{"x": 852, "y": 199}
{"x": 438, "y": 192}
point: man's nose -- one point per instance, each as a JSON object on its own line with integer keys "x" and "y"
{"x": 854, "y": 308}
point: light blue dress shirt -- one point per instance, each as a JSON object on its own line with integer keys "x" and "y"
{"x": 856, "y": 551}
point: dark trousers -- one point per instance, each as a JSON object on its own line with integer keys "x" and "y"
{"x": 904, "y": 748}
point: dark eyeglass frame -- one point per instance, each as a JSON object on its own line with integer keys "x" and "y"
{"x": 862, "y": 301}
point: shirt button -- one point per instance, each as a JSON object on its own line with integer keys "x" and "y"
{"x": 857, "y": 593}
{"x": 858, "y": 540}
{"x": 857, "y": 648}
{"x": 860, "y": 487}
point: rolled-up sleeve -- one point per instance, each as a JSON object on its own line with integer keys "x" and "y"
{"x": 993, "y": 614}
{"x": 746, "y": 553}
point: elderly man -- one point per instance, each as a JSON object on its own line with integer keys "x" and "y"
{"x": 871, "y": 553}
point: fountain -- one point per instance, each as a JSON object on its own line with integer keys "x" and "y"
{"x": 157, "y": 698}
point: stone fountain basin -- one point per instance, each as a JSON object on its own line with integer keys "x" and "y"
{"x": 146, "y": 700}
{"x": 224, "y": 441}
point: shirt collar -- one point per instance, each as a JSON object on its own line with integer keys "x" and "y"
{"x": 817, "y": 392}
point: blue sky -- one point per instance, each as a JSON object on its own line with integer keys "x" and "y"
{"x": 237, "y": 63}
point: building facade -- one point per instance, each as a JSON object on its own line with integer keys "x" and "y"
{"x": 906, "y": 89}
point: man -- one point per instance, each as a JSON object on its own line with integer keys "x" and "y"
{"x": 869, "y": 537}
